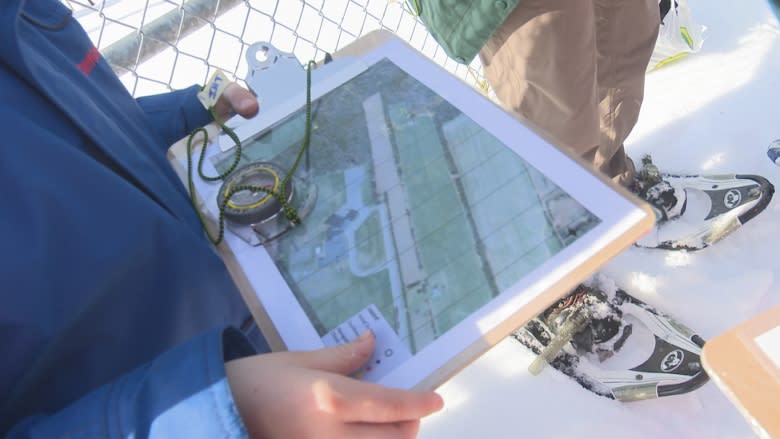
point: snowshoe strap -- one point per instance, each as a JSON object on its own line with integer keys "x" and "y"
{"x": 576, "y": 322}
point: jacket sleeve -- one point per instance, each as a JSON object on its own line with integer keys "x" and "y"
{"x": 174, "y": 115}
{"x": 182, "y": 393}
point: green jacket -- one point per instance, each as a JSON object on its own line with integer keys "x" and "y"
{"x": 462, "y": 27}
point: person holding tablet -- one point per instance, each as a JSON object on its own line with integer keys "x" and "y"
{"x": 117, "y": 317}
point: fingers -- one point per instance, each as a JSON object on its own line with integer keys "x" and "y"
{"x": 343, "y": 359}
{"x": 398, "y": 430}
{"x": 357, "y": 401}
{"x": 271, "y": 388}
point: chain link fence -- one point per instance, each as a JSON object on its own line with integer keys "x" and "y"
{"x": 160, "y": 45}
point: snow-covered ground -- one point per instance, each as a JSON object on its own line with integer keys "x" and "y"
{"x": 714, "y": 112}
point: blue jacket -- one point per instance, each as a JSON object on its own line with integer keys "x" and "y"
{"x": 114, "y": 307}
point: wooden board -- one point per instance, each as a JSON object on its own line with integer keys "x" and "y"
{"x": 745, "y": 371}
{"x": 514, "y": 305}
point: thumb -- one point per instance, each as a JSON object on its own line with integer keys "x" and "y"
{"x": 240, "y": 100}
{"x": 342, "y": 359}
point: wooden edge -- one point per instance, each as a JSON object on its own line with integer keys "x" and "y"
{"x": 366, "y": 43}
{"x": 745, "y": 374}
{"x": 760, "y": 324}
{"x": 748, "y": 331}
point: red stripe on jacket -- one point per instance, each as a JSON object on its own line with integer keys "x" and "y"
{"x": 90, "y": 61}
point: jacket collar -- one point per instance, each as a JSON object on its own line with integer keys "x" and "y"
{"x": 23, "y": 49}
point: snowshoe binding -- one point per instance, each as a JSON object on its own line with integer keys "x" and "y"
{"x": 696, "y": 211}
{"x": 581, "y": 333}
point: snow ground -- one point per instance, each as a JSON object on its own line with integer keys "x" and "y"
{"x": 714, "y": 112}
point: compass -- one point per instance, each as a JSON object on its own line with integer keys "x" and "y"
{"x": 246, "y": 206}
{"x": 260, "y": 215}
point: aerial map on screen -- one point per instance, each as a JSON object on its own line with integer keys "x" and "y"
{"x": 421, "y": 214}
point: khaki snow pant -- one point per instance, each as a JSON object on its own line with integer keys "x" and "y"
{"x": 575, "y": 71}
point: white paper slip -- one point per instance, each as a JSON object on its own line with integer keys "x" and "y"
{"x": 769, "y": 342}
{"x": 390, "y": 350}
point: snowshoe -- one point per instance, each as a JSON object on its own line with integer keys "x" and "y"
{"x": 696, "y": 211}
{"x": 580, "y": 333}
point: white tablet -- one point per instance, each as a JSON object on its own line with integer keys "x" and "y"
{"x": 439, "y": 221}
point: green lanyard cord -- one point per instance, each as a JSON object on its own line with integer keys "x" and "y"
{"x": 280, "y": 195}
